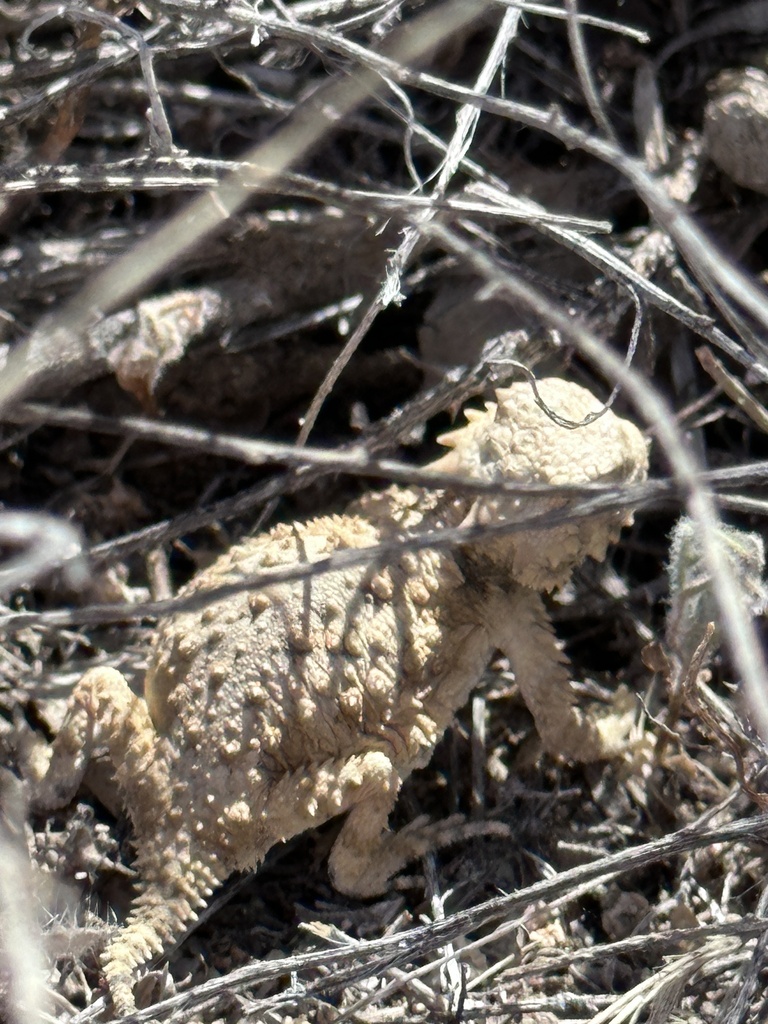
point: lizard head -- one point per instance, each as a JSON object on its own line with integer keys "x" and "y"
{"x": 518, "y": 439}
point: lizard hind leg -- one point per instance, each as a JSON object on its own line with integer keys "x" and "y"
{"x": 102, "y": 710}
{"x": 173, "y": 887}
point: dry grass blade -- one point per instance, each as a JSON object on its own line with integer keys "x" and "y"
{"x": 48, "y": 544}
{"x": 60, "y": 340}
{"x": 22, "y": 997}
{"x": 369, "y": 958}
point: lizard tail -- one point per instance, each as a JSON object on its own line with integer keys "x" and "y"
{"x": 160, "y": 914}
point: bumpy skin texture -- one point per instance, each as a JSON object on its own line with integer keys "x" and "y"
{"x": 271, "y": 712}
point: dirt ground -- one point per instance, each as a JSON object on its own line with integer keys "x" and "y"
{"x": 332, "y": 223}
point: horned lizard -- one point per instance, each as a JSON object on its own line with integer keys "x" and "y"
{"x": 274, "y": 711}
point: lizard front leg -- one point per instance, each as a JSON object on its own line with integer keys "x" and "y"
{"x": 520, "y": 627}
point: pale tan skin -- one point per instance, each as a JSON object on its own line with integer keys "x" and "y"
{"x": 274, "y": 711}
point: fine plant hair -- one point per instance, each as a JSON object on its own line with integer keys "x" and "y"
{"x": 692, "y": 601}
